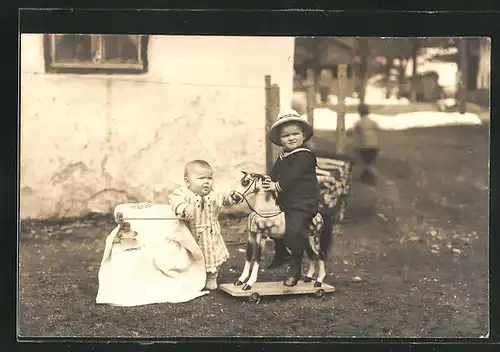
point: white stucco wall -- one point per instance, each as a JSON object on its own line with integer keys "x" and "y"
{"x": 89, "y": 142}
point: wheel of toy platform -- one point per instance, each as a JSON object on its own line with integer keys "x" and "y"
{"x": 254, "y": 298}
{"x": 319, "y": 293}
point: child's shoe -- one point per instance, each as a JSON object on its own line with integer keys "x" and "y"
{"x": 212, "y": 281}
{"x": 295, "y": 271}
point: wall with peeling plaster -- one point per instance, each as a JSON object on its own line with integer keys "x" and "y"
{"x": 89, "y": 142}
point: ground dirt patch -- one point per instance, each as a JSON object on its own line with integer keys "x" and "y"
{"x": 418, "y": 241}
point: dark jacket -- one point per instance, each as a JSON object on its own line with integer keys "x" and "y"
{"x": 297, "y": 185}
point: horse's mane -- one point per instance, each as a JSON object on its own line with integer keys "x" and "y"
{"x": 261, "y": 178}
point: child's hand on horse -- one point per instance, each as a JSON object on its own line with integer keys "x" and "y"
{"x": 237, "y": 198}
{"x": 269, "y": 185}
{"x": 188, "y": 213}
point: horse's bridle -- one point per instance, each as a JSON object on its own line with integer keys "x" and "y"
{"x": 243, "y": 195}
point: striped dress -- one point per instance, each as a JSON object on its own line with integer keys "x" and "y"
{"x": 205, "y": 226}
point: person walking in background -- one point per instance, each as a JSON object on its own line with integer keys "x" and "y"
{"x": 367, "y": 144}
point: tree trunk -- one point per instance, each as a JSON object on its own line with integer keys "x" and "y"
{"x": 316, "y": 63}
{"x": 414, "y": 54}
{"x": 388, "y": 77}
{"x": 463, "y": 75}
{"x": 363, "y": 46}
{"x": 401, "y": 77}
{"x": 342, "y": 80}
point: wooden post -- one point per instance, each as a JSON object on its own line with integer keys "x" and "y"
{"x": 272, "y": 111}
{"x": 275, "y": 94}
{"x": 269, "y": 122}
{"x": 462, "y": 88}
{"x": 310, "y": 96}
{"x": 342, "y": 81}
{"x": 275, "y": 89}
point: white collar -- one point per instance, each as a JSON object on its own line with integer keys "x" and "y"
{"x": 284, "y": 154}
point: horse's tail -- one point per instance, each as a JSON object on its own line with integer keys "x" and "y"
{"x": 326, "y": 235}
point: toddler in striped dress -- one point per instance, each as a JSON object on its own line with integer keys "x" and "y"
{"x": 199, "y": 204}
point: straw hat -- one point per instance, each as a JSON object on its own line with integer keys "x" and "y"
{"x": 287, "y": 117}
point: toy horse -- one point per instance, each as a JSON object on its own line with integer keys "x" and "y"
{"x": 268, "y": 221}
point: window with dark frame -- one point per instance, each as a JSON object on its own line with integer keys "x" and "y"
{"x": 90, "y": 53}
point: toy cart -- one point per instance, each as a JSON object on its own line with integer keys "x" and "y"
{"x": 276, "y": 288}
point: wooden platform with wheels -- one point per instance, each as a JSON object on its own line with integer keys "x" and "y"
{"x": 276, "y": 288}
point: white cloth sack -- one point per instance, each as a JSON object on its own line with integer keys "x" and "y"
{"x": 161, "y": 264}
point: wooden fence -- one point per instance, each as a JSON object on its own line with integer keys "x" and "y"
{"x": 273, "y": 108}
